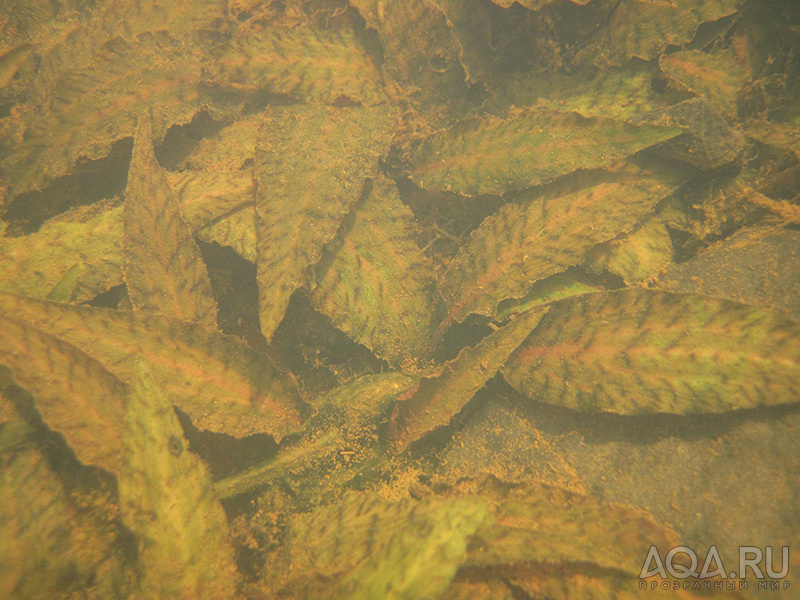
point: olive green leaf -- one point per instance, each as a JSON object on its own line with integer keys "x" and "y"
{"x": 434, "y": 402}
{"x": 90, "y": 237}
{"x": 230, "y": 149}
{"x": 236, "y": 230}
{"x": 84, "y": 245}
{"x": 489, "y": 155}
{"x": 51, "y": 548}
{"x": 538, "y": 524}
{"x": 311, "y": 164}
{"x": 643, "y": 29}
{"x": 555, "y": 287}
{"x": 167, "y": 500}
{"x": 421, "y": 59}
{"x": 161, "y": 261}
{"x": 339, "y": 439}
{"x": 368, "y": 547}
{"x": 322, "y": 65}
{"x": 640, "y": 351}
{"x": 636, "y": 257}
{"x": 718, "y": 77}
{"x": 217, "y": 380}
{"x": 709, "y": 142}
{"x": 533, "y": 4}
{"x": 378, "y": 286}
{"x": 524, "y": 243}
{"x": 85, "y": 109}
{"x": 74, "y": 393}
{"x": 779, "y": 135}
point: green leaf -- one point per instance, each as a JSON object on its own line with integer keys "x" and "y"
{"x": 643, "y": 351}
{"x": 84, "y": 109}
{"x": 167, "y": 500}
{"x": 217, "y": 380}
{"x": 636, "y": 257}
{"x": 86, "y": 243}
{"x": 718, "y": 77}
{"x": 163, "y": 269}
{"x": 437, "y": 399}
{"x": 378, "y": 286}
{"x": 321, "y": 65}
{"x": 367, "y": 547}
{"x": 534, "y": 4}
{"x": 311, "y": 164}
{"x": 556, "y": 287}
{"x": 643, "y": 29}
{"x": 54, "y": 547}
{"x": 709, "y": 141}
{"x": 338, "y": 440}
{"x": 489, "y": 155}
{"x": 524, "y": 243}
{"x": 74, "y": 393}
{"x": 421, "y": 53}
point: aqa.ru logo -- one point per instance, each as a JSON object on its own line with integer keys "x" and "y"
{"x": 688, "y": 577}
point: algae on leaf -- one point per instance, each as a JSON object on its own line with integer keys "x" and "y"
{"x": 52, "y": 548}
{"x": 162, "y": 265}
{"x": 435, "y": 400}
{"x": 643, "y": 29}
{"x": 322, "y": 65}
{"x": 378, "y": 288}
{"x": 367, "y": 547}
{"x": 641, "y": 351}
{"x": 523, "y": 243}
{"x": 311, "y": 164}
{"x": 489, "y": 155}
{"x": 74, "y": 393}
{"x": 167, "y": 500}
{"x": 217, "y": 380}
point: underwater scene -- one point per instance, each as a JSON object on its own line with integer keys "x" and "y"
{"x": 399, "y": 299}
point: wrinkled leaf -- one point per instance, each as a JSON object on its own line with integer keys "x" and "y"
{"x": 709, "y": 141}
{"x": 49, "y": 548}
{"x": 74, "y": 393}
{"x": 556, "y": 287}
{"x": 524, "y": 243}
{"x": 312, "y": 65}
{"x": 311, "y": 163}
{"x": 90, "y": 237}
{"x": 643, "y": 29}
{"x": 420, "y": 51}
{"x": 619, "y": 93}
{"x": 167, "y": 500}
{"x": 340, "y": 437}
{"x": 377, "y": 288}
{"x": 717, "y": 77}
{"x": 780, "y": 135}
{"x": 757, "y": 265}
{"x": 163, "y": 269}
{"x": 437, "y": 399}
{"x": 637, "y": 257}
{"x": 645, "y": 351}
{"x": 535, "y": 523}
{"x": 533, "y": 4}
{"x": 88, "y": 108}
{"x": 215, "y": 379}
{"x": 489, "y": 155}
{"x": 371, "y": 548}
